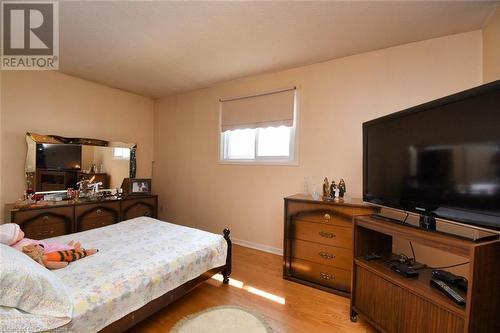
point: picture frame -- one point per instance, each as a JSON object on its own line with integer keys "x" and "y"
{"x": 136, "y": 186}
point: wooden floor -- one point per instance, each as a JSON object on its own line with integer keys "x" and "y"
{"x": 257, "y": 285}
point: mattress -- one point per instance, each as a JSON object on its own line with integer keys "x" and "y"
{"x": 138, "y": 260}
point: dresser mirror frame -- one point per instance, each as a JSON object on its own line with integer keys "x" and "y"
{"x": 30, "y": 172}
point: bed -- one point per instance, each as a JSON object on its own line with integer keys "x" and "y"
{"x": 142, "y": 265}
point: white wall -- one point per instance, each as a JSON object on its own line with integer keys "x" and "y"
{"x": 49, "y": 102}
{"x": 336, "y": 97}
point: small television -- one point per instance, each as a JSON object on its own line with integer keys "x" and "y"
{"x": 58, "y": 156}
{"x": 440, "y": 159}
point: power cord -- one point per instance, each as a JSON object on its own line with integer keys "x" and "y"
{"x": 403, "y": 258}
{"x": 443, "y": 267}
{"x": 413, "y": 252}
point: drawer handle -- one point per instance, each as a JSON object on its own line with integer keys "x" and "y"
{"x": 327, "y": 217}
{"x": 326, "y": 255}
{"x": 326, "y": 234}
{"x": 45, "y": 218}
{"x": 99, "y": 211}
{"x": 326, "y": 276}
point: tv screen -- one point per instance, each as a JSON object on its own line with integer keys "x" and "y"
{"x": 440, "y": 159}
{"x": 58, "y": 156}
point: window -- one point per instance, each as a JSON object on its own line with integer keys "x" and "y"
{"x": 273, "y": 141}
{"x": 259, "y": 129}
{"x": 240, "y": 144}
{"x": 121, "y": 153}
{"x": 270, "y": 143}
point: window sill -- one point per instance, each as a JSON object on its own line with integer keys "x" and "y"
{"x": 259, "y": 162}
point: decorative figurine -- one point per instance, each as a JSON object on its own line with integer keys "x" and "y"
{"x": 326, "y": 191}
{"x": 88, "y": 188}
{"x": 342, "y": 188}
{"x": 333, "y": 188}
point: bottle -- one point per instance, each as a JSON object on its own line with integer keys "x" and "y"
{"x": 306, "y": 186}
{"x": 315, "y": 194}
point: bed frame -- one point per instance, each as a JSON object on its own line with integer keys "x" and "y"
{"x": 159, "y": 303}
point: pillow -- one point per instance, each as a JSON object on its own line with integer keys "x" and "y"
{"x": 28, "y": 286}
{"x": 14, "y": 320}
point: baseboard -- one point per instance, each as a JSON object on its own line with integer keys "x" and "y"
{"x": 257, "y": 246}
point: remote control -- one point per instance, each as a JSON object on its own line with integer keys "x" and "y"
{"x": 445, "y": 289}
{"x": 372, "y": 256}
{"x": 404, "y": 270}
{"x": 450, "y": 278}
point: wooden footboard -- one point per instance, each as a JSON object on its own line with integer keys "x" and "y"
{"x": 159, "y": 303}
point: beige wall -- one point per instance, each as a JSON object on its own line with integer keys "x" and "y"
{"x": 1, "y": 145}
{"x": 491, "y": 48}
{"x": 53, "y": 103}
{"x": 335, "y": 98}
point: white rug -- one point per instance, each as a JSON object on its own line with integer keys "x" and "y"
{"x": 222, "y": 319}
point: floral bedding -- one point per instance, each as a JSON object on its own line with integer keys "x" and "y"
{"x": 138, "y": 260}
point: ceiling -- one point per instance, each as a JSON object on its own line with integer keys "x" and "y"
{"x": 160, "y": 48}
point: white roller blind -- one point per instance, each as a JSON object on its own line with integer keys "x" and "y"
{"x": 265, "y": 110}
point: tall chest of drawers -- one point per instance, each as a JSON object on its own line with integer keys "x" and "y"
{"x": 318, "y": 241}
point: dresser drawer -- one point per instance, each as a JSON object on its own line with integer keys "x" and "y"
{"x": 44, "y": 231}
{"x": 322, "y": 233}
{"x": 132, "y": 208}
{"x": 96, "y": 215}
{"x": 44, "y": 223}
{"x": 329, "y": 217}
{"x": 327, "y": 276}
{"x": 96, "y": 222}
{"x": 98, "y": 210}
{"x": 322, "y": 254}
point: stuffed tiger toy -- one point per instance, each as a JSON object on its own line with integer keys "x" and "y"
{"x": 56, "y": 259}
{"x": 69, "y": 255}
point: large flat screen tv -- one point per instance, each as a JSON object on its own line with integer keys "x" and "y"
{"x": 440, "y": 159}
{"x": 58, "y": 156}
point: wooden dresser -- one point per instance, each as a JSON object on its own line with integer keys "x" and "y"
{"x": 65, "y": 218}
{"x": 318, "y": 241}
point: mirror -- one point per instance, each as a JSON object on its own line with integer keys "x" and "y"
{"x": 55, "y": 163}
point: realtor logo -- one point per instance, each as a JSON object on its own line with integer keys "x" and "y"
{"x": 30, "y": 35}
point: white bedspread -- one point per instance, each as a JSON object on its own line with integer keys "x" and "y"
{"x": 138, "y": 261}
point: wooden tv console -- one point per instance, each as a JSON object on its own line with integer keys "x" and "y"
{"x": 393, "y": 303}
